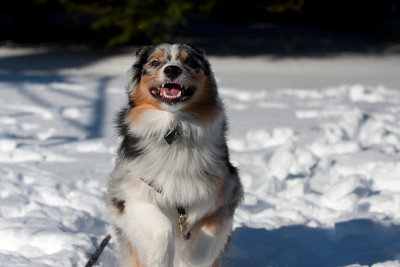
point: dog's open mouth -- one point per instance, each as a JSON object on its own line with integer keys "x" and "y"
{"x": 172, "y": 93}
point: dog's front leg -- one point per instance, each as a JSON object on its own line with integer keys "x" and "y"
{"x": 210, "y": 240}
{"x": 150, "y": 232}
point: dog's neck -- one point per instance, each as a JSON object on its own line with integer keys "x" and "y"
{"x": 169, "y": 126}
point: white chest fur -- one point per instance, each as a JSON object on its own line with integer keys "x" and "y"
{"x": 188, "y": 170}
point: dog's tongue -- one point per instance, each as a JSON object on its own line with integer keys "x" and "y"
{"x": 172, "y": 90}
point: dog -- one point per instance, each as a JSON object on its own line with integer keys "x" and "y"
{"x": 173, "y": 191}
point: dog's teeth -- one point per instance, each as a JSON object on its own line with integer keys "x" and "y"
{"x": 171, "y": 96}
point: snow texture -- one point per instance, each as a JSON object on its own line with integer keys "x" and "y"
{"x": 317, "y": 143}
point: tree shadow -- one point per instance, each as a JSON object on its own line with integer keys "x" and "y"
{"x": 359, "y": 241}
{"x": 43, "y": 68}
{"x": 52, "y": 59}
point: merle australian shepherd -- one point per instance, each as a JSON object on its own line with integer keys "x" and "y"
{"x": 173, "y": 191}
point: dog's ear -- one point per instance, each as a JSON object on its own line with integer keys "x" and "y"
{"x": 196, "y": 49}
{"x": 202, "y": 56}
{"x": 142, "y": 50}
{"x": 142, "y": 55}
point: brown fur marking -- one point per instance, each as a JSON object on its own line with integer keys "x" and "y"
{"x": 203, "y": 104}
{"x": 142, "y": 98}
{"x": 211, "y": 224}
{"x": 184, "y": 54}
{"x": 135, "y": 259}
{"x": 159, "y": 54}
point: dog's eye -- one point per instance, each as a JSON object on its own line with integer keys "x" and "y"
{"x": 191, "y": 62}
{"x": 155, "y": 63}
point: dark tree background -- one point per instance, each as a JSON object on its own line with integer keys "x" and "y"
{"x": 126, "y": 22}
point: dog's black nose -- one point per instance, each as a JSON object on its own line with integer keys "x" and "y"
{"x": 172, "y": 71}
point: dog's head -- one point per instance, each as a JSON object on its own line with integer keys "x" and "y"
{"x": 173, "y": 77}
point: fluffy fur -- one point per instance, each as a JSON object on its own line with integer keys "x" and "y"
{"x": 172, "y": 88}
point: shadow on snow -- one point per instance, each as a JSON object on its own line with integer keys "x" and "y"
{"x": 43, "y": 68}
{"x": 359, "y": 241}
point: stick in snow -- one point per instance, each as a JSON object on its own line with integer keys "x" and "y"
{"x": 98, "y": 251}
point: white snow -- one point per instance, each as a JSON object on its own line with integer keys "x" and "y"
{"x": 317, "y": 143}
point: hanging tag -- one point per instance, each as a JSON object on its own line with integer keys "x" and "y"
{"x": 170, "y": 136}
{"x": 182, "y": 223}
